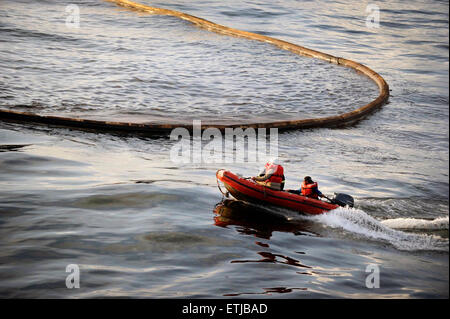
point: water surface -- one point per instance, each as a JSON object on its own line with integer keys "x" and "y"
{"x": 139, "y": 225}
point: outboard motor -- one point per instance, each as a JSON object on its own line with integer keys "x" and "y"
{"x": 343, "y": 200}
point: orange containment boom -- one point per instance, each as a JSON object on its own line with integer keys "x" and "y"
{"x": 165, "y": 128}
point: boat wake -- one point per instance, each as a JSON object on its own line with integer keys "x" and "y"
{"x": 360, "y": 223}
{"x": 440, "y": 223}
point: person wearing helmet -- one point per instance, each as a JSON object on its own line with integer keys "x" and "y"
{"x": 271, "y": 176}
{"x": 310, "y": 188}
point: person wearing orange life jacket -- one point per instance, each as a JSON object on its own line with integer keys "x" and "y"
{"x": 310, "y": 188}
{"x": 272, "y": 176}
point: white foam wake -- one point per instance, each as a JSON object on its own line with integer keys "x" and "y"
{"x": 415, "y": 223}
{"x": 358, "y": 222}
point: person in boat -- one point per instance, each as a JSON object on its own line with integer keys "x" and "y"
{"x": 310, "y": 188}
{"x": 271, "y": 176}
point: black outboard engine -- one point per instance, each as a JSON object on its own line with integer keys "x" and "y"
{"x": 343, "y": 200}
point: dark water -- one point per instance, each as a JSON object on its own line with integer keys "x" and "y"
{"x": 139, "y": 225}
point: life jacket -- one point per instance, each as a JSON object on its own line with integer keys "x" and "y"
{"x": 277, "y": 175}
{"x": 308, "y": 190}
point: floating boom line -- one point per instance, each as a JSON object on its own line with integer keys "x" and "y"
{"x": 165, "y": 128}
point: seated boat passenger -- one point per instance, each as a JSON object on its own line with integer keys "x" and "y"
{"x": 310, "y": 188}
{"x": 272, "y": 176}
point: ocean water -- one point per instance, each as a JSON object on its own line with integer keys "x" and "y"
{"x": 139, "y": 225}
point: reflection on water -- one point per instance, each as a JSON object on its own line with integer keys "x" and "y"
{"x": 8, "y": 148}
{"x": 261, "y": 223}
{"x": 272, "y": 258}
{"x": 257, "y": 220}
{"x": 267, "y": 291}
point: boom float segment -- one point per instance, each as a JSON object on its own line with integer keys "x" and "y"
{"x": 329, "y": 121}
